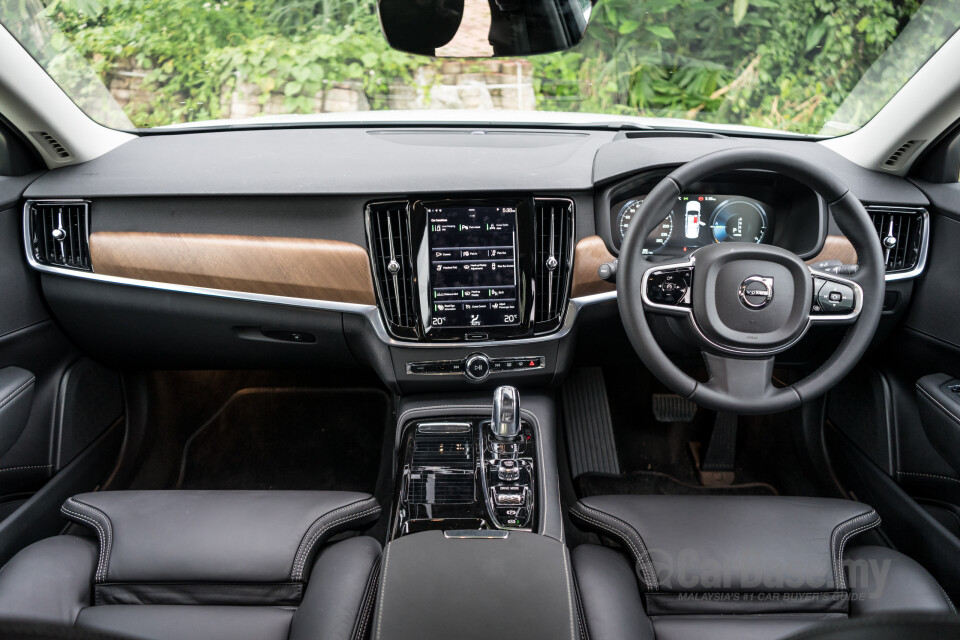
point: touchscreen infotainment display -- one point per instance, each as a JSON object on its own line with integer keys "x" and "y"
{"x": 473, "y": 266}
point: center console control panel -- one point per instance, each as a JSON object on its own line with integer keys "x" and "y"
{"x": 476, "y": 366}
{"x": 456, "y": 473}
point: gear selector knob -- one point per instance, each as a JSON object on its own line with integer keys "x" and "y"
{"x": 506, "y": 413}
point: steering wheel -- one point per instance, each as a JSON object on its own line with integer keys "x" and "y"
{"x": 747, "y": 302}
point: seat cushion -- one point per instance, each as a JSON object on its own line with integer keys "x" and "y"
{"x": 156, "y": 537}
{"x": 705, "y": 545}
{"x": 735, "y": 544}
{"x": 202, "y": 565}
{"x": 175, "y": 622}
{"x": 49, "y": 581}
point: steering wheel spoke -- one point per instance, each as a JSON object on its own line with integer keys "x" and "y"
{"x": 667, "y": 287}
{"x": 836, "y": 300}
{"x": 741, "y": 380}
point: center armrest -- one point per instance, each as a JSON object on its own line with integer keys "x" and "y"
{"x": 509, "y": 585}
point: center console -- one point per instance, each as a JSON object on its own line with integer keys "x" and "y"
{"x": 468, "y": 472}
{"x": 476, "y": 542}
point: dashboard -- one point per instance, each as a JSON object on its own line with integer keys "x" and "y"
{"x": 432, "y": 256}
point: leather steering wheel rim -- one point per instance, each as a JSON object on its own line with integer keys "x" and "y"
{"x": 728, "y": 388}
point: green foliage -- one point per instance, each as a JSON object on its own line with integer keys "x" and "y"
{"x": 784, "y": 64}
{"x": 193, "y": 64}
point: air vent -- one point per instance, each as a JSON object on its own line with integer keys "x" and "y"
{"x": 554, "y": 219}
{"x": 59, "y": 234}
{"x": 389, "y": 237}
{"x": 901, "y": 233}
{"x": 450, "y": 451}
{"x": 442, "y": 469}
{"x": 902, "y": 154}
{"x": 51, "y": 145}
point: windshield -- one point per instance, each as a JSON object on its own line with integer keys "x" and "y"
{"x": 801, "y": 66}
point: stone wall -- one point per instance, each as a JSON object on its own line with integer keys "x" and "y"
{"x": 454, "y": 84}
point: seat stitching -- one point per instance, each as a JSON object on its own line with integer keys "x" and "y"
{"x": 28, "y": 466}
{"x": 649, "y": 576}
{"x": 16, "y": 392}
{"x": 300, "y": 562}
{"x": 303, "y": 553}
{"x": 945, "y": 596}
{"x": 383, "y": 590}
{"x": 620, "y": 535}
{"x": 939, "y": 404}
{"x": 566, "y": 572}
{"x": 644, "y": 557}
{"x": 369, "y": 599}
{"x": 836, "y": 553}
{"x": 101, "y": 535}
{"x": 308, "y": 538}
{"x": 843, "y": 543}
{"x": 909, "y": 473}
{"x": 104, "y": 531}
{"x": 104, "y": 528}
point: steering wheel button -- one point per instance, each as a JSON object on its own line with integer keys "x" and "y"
{"x": 835, "y": 298}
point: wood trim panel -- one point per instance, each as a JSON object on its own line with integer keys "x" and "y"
{"x": 300, "y": 268}
{"x": 836, "y": 248}
{"x": 590, "y": 253}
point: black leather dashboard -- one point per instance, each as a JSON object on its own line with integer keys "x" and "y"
{"x": 315, "y": 183}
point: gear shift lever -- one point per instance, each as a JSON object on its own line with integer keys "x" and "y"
{"x": 506, "y": 413}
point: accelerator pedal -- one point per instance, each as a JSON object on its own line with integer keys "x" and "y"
{"x": 589, "y": 427}
{"x": 669, "y": 407}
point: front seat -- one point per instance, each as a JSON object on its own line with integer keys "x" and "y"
{"x": 202, "y": 564}
{"x": 737, "y": 567}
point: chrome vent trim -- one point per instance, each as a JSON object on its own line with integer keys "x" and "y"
{"x": 904, "y": 234}
{"x": 58, "y": 233}
{"x": 553, "y": 262}
{"x": 388, "y": 234}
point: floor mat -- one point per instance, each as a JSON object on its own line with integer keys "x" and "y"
{"x": 657, "y": 483}
{"x": 289, "y": 439}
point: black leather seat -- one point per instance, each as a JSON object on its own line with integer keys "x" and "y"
{"x": 202, "y": 564}
{"x": 723, "y": 567}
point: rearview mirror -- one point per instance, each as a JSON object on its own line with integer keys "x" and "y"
{"x": 483, "y": 28}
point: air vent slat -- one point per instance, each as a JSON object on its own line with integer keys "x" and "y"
{"x": 553, "y": 257}
{"x": 59, "y": 233}
{"x": 392, "y": 265}
{"x": 901, "y": 234}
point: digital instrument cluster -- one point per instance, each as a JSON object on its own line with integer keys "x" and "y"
{"x": 698, "y": 220}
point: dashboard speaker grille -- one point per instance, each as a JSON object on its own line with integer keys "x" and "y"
{"x": 389, "y": 235}
{"x": 59, "y": 234}
{"x": 900, "y": 230}
{"x": 554, "y": 219}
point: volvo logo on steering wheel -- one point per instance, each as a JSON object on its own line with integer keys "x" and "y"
{"x": 756, "y": 292}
